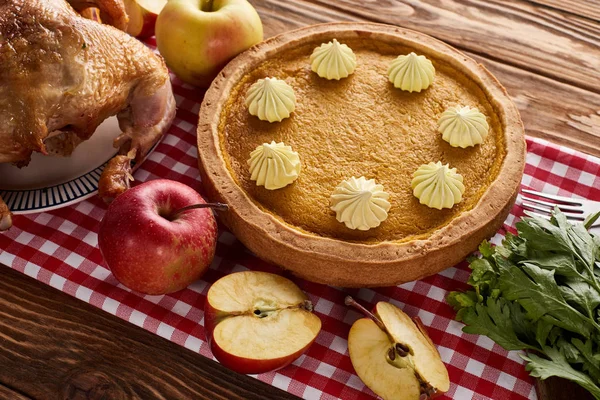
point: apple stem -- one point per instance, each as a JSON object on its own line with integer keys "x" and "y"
{"x": 215, "y": 206}
{"x": 206, "y": 5}
{"x": 351, "y": 302}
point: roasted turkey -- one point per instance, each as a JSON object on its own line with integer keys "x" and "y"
{"x": 61, "y": 75}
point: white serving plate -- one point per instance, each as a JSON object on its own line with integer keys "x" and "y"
{"x": 48, "y": 182}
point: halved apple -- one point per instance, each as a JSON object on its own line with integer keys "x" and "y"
{"x": 258, "y": 322}
{"x": 142, "y": 16}
{"x": 394, "y": 356}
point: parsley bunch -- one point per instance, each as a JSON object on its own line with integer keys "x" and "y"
{"x": 539, "y": 292}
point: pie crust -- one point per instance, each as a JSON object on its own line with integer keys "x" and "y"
{"x": 343, "y": 262}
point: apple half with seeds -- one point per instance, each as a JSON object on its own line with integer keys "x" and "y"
{"x": 393, "y": 355}
{"x": 258, "y": 322}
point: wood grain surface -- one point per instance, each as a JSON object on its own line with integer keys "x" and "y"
{"x": 545, "y": 41}
{"x": 551, "y": 108}
{"x": 8, "y": 393}
{"x": 546, "y": 53}
{"x": 560, "y": 389}
{"x": 586, "y": 8}
{"x": 53, "y": 346}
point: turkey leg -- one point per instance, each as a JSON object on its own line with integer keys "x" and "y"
{"x": 143, "y": 123}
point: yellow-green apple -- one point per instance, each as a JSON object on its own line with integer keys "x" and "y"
{"x": 198, "y": 37}
{"x": 142, "y": 16}
{"x": 158, "y": 237}
{"x": 394, "y": 356}
{"x": 258, "y": 322}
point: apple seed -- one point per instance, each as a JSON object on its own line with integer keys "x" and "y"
{"x": 398, "y": 362}
{"x": 263, "y": 308}
{"x": 403, "y": 350}
{"x": 391, "y": 354}
{"x": 427, "y": 391}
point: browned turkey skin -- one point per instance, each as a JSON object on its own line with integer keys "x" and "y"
{"x": 61, "y": 75}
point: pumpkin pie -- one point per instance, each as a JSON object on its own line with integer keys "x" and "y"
{"x": 360, "y": 126}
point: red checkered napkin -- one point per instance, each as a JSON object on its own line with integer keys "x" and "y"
{"x": 59, "y": 248}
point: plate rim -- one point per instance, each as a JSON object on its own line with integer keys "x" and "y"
{"x": 85, "y": 195}
{"x": 99, "y": 169}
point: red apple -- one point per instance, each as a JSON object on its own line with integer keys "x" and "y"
{"x": 198, "y": 37}
{"x": 258, "y": 322}
{"x": 142, "y": 16}
{"x": 150, "y": 245}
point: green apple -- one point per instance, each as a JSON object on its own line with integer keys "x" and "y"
{"x": 198, "y": 37}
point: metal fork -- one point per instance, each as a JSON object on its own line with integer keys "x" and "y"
{"x": 573, "y": 209}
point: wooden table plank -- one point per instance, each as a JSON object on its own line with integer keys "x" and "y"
{"x": 560, "y": 389}
{"x": 135, "y": 363}
{"x": 552, "y": 110}
{"x": 586, "y": 8}
{"x": 8, "y": 393}
{"x": 544, "y": 41}
{"x": 55, "y": 346}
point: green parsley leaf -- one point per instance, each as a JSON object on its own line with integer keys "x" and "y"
{"x": 561, "y": 264}
{"x": 590, "y": 219}
{"x": 568, "y": 350}
{"x": 459, "y": 300}
{"x": 582, "y": 295}
{"x": 486, "y": 249}
{"x": 590, "y": 362}
{"x": 494, "y": 321}
{"x": 558, "y": 366}
{"x": 539, "y": 291}
{"x": 536, "y": 290}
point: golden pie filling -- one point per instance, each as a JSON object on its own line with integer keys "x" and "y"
{"x": 360, "y": 126}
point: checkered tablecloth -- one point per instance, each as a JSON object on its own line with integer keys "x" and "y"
{"x": 59, "y": 248}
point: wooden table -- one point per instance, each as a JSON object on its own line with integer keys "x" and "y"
{"x": 546, "y": 53}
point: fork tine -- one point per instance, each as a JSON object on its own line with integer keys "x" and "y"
{"x": 552, "y": 197}
{"x": 594, "y": 228}
{"x": 552, "y": 205}
{"x": 534, "y": 214}
{"x": 568, "y": 214}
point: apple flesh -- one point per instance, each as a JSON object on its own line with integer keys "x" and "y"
{"x": 142, "y": 16}
{"x": 258, "y": 322}
{"x": 198, "y": 37}
{"x": 149, "y": 245}
{"x": 394, "y": 356}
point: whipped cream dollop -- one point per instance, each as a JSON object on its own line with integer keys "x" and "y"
{"x": 411, "y": 72}
{"x": 271, "y": 99}
{"x": 333, "y": 60}
{"x": 437, "y": 186}
{"x": 360, "y": 203}
{"x": 463, "y": 126}
{"x": 274, "y": 165}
